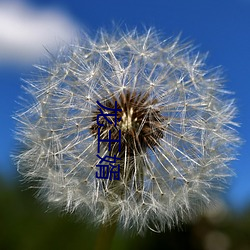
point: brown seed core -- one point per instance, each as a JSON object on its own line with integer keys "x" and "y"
{"x": 141, "y": 123}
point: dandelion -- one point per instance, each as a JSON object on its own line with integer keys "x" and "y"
{"x": 176, "y": 126}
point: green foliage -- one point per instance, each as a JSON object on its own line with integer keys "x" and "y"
{"x": 25, "y": 226}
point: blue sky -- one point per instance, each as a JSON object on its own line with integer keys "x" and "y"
{"x": 221, "y": 27}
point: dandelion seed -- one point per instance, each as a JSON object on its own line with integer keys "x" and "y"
{"x": 176, "y": 126}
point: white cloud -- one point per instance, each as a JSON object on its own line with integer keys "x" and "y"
{"x": 25, "y": 31}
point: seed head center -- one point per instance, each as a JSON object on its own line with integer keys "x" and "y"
{"x": 127, "y": 121}
{"x": 141, "y": 123}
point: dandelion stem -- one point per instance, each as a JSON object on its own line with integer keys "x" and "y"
{"x": 105, "y": 236}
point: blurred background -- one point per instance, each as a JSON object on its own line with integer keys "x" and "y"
{"x": 29, "y": 28}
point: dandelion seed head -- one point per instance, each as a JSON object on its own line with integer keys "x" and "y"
{"x": 176, "y": 121}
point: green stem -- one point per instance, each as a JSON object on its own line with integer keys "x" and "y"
{"x": 105, "y": 236}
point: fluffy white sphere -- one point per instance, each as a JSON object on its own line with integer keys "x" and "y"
{"x": 176, "y": 123}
